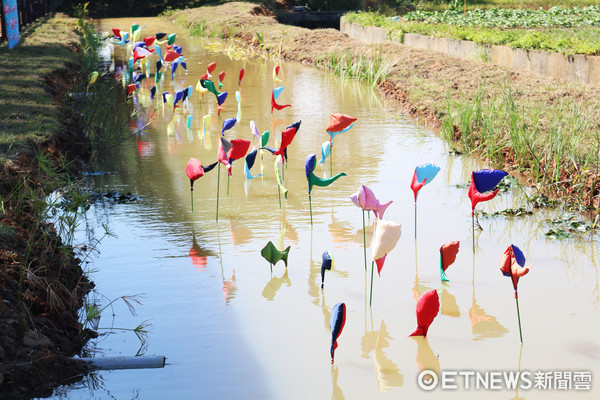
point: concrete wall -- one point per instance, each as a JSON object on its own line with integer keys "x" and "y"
{"x": 370, "y": 34}
{"x": 577, "y": 68}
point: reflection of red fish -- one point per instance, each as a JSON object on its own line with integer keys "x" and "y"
{"x": 239, "y": 233}
{"x": 426, "y": 359}
{"x": 484, "y": 325}
{"x": 144, "y": 149}
{"x": 198, "y": 259}
{"x": 419, "y": 288}
{"x": 229, "y": 288}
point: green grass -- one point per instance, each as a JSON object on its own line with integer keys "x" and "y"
{"x": 28, "y": 112}
{"x": 350, "y": 65}
{"x": 585, "y": 39}
{"x": 497, "y": 127}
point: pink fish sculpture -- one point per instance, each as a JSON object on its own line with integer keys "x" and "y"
{"x": 365, "y": 199}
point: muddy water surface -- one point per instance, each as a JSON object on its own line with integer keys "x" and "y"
{"x": 231, "y": 328}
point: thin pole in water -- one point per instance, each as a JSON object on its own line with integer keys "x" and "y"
{"x": 279, "y": 194}
{"x": 331, "y": 160}
{"x": 364, "y": 240}
{"x": 310, "y": 207}
{"x": 218, "y": 185}
{"x": 473, "y": 228}
{"x": 519, "y": 318}
{"x": 415, "y": 221}
{"x": 371, "y": 295}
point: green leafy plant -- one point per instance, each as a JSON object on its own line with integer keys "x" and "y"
{"x": 550, "y": 30}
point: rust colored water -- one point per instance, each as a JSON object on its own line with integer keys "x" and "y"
{"x": 231, "y": 328}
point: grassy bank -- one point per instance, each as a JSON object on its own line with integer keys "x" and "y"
{"x": 542, "y": 128}
{"x": 52, "y": 121}
{"x": 28, "y": 112}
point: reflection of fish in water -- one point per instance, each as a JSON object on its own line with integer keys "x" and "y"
{"x": 483, "y": 325}
{"x": 388, "y": 374}
{"x": 145, "y": 149}
{"x": 419, "y": 288}
{"x": 426, "y": 359}
{"x": 287, "y": 231}
{"x": 313, "y": 286}
{"x": 358, "y": 236}
{"x": 448, "y": 305}
{"x": 198, "y": 259}
{"x": 274, "y": 285}
{"x": 229, "y": 288}
{"x": 341, "y": 231}
{"x": 199, "y": 255}
{"x": 239, "y": 233}
{"x": 337, "y": 390}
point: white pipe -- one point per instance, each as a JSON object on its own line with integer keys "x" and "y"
{"x": 131, "y": 362}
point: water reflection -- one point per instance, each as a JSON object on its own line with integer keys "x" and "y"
{"x": 388, "y": 374}
{"x": 483, "y": 326}
{"x": 96, "y": 388}
{"x": 426, "y": 359}
{"x": 368, "y": 235}
{"x": 199, "y": 255}
{"x": 448, "y": 304}
{"x": 337, "y": 393}
{"x": 518, "y": 371}
{"x": 341, "y": 231}
{"x": 275, "y": 284}
{"x": 229, "y": 287}
{"x": 576, "y": 255}
{"x": 286, "y": 231}
{"x": 419, "y": 288}
{"x": 144, "y": 149}
{"x": 240, "y": 234}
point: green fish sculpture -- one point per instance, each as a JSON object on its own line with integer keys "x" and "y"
{"x": 272, "y": 254}
{"x": 309, "y": 166}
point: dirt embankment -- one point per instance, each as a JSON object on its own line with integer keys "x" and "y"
{"x": 424, "y": 83}
{"x": 42, "y": 284}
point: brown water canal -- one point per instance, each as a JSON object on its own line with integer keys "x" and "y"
{"x": 232, "y": 329}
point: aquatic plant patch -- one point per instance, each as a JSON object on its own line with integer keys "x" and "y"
{"x": 508, "y": 212}
{"x": 567, "y": 226}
